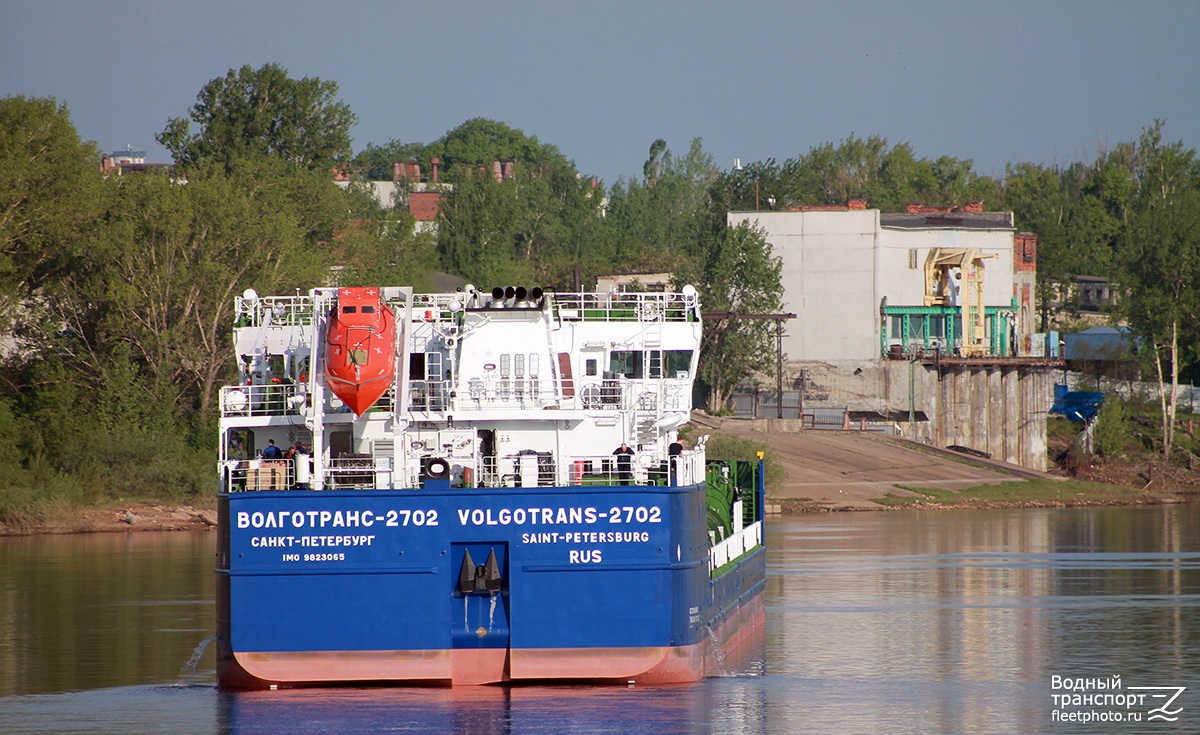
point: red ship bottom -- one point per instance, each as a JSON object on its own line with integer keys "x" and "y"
{"x": 735, "y": 643}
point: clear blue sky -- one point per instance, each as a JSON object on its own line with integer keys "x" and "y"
{"x": 995, "y": 82}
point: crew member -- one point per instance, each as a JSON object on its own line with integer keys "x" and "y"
{"x": 624, "y": 455}
{"x": 272, "y": 451}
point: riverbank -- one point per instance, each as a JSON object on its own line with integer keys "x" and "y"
{"x": 850, "y": 470}
{"x": 1011, "y": 494}
{"x": 119, "y": 516}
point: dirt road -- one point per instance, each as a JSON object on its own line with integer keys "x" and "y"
{"x": 846, "y": 470}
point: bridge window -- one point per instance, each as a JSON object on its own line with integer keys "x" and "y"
{"x": 627, "y": 363}
{"x": 677, "y": 362}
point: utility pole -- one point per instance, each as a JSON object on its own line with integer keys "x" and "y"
{"x": 779, "y": 319}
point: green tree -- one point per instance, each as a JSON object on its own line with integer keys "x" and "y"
{"x": 1079, "y": 213}
{"x": 383, "y": 245}
{"x": 888, "y": 178}
{"x": 1160, "y": 263}
{"x": 481, "y": 141}
{"x": 375, "y": 162}
{"x": 50, "y": 201}
{"x": 674, "y": 220}
{"x": 668, "y": 216}
{"x": 262, "y": 111}
{"x": 738, "y": 274}
{"x": 533, "y": 227}
{"x": 1040, "y": 204}
{"x": 476, "y": 234}
{"x": 163, "y": 282}
{"x": 1112, "y": 428}
{"x": 755, "y": 186}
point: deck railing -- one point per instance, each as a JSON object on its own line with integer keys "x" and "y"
{"x": 259, "y": 474}
{"x": 273, "y": 399}
{"x": 629, "y": 307}
{"x": 279, "y": 310}
{"x": 522, "y": 469}
{"x": 434, "y": 396}
{"x": 735, "y": 546}
{"x": 625, "y": 307}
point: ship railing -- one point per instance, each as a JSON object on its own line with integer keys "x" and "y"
{"x": 537, "y": 393}
{"x": 273, "y": 399}
{"x": 444, "y": 305}
{"x": 642, "y": 469}
{"x": 526, "y": 468}
{"x": 626, "y": 307}
{"x": 358, "y": 471}
{"x": 273, "y": 310}
{"x": 387, "y": 401}
{"x": 428, "y": 395}
{"x": 735, "y": 546}
{"x": 676, "y": 395}
{"x": 248, "y": 475}
{"x": 531, "y": 393}
{"x": 525, "y": 393}
{"x": 531, "y": 468}
{"x": 687, "y": 468}
{"x": 603, "y": 470}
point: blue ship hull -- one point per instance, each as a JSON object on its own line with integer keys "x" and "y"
{"x": 609, "y": 583}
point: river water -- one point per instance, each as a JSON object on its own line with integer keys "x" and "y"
{"x": 889, "y": 622}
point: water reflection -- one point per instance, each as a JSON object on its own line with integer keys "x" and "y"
{"x": 684, "y": 710}
{"x": 732, "y": 706}
{"x": 955, "y": 622}
{"x": 100, "y": 610}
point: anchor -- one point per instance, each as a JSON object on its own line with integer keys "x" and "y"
{"x": 479, "y": 580}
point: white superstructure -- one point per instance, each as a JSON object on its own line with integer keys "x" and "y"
{"x": 514, "y": 389}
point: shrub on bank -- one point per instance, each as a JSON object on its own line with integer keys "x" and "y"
{"x": 1112, "y": 428}
{"x": 722, "y": 446}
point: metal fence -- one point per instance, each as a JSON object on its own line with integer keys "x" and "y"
{"x": 1189, "y": 395}
{"x": 766, "y": 404}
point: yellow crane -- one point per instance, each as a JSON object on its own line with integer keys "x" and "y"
{"x": 954, "y": 277}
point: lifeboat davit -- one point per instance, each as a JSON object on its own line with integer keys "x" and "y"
{"x": 360, "y": 348}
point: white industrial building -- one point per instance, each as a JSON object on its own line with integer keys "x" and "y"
{"x": 920, "y": 322}
{"x": 862, "y": 283}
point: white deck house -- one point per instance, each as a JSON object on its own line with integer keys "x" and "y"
{"x": 860, "y": 281}
{"x": 922, "y": 320}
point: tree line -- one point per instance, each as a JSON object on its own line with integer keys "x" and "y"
{"x": 116, "y": 292}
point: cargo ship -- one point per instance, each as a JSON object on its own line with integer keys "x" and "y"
{"x": 477, "y": 487}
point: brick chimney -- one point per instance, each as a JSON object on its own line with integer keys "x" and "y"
{"x": 497, "y": 172}
{"x": 1025, "y": 252}
{"x": 414, "y": 170}
{"x": 506, "y": 169}
{"x": 435, "y": 162}
{"x": 397, "y": 172}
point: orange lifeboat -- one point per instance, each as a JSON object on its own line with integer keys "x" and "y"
{"x": 360, "y": 354}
